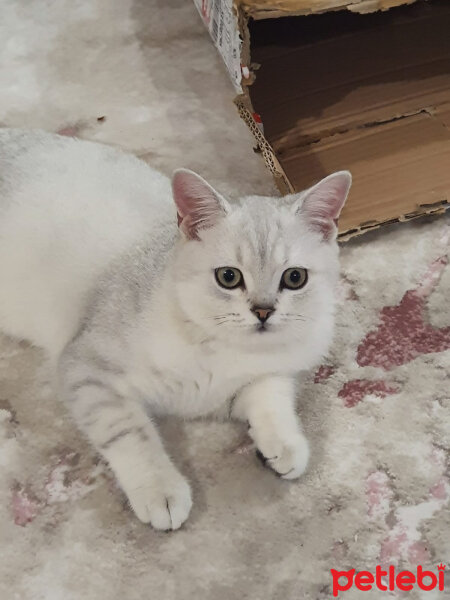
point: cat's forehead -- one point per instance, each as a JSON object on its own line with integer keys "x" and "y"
{"x": 261, "y": 245}
{"x": 261, "y": 235}
{"x": 263, "y": 231}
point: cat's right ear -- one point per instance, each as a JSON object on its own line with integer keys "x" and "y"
{"x": 199, "y": 206}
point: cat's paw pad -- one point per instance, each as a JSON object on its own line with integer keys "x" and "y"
{"x": 164, "y": 502}
{"x": 288, "y": 459}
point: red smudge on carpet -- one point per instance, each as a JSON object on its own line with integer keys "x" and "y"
{"x": 403, "y": 333}
{"x": 24, "y": 507}
{"x": 69, "y": 131}
{"x": 378, "y": 494}
{"x": 354, "y": 391}
{"x": 323, "y": 373}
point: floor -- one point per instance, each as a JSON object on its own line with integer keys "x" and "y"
{"x": 143, "y": 75}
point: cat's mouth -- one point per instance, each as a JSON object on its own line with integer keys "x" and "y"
{"x": 262, "y": 327}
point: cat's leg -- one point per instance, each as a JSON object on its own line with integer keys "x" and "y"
{"x": 123, "y": 434}
{"x": 268, "y": 404}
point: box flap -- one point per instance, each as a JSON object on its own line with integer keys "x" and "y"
{"x": 400, "y": 169}
{"x": 368, "y": 93}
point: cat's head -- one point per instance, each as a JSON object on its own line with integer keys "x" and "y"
{"x": 260, "y": 272}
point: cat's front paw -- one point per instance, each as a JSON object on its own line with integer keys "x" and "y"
{"x": 164, "y": 501}
{"x": 288, "y": 458}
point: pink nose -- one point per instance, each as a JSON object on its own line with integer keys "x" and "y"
{"x": 263, "y": 313}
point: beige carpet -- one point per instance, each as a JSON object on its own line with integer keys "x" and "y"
{"x": 144, "y": 75}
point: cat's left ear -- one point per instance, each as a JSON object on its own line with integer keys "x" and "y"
{"x": 321, "y": 205}
{"x": 199, "y": 206}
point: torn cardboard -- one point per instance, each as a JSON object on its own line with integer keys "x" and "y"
{"x": 351, "y": 89}
{"x": 270, "y": 9}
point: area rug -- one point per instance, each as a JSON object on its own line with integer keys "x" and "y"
{"x": 143, "y": 75}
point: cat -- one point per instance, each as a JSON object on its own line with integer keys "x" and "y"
{"x": 150, "y": 307}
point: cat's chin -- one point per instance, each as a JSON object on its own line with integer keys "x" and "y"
{"x": 262, "y": 333}
{"x": 257, "y": 334}
{"x": 264, "y": 338}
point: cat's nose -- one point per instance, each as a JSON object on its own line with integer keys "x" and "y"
{"x": 263, "y": 313}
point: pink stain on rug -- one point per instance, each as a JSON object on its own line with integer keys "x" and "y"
{"x": 356, "y": 390}
{"x": 323, "y": 373}
{"x": 70, "y": 130}
{"x": 63, "y": 483}
{"x": 339, "y": 551}
{"x": 399, "y": 546}
{"x": 403, "y": 333}
{"x": 378, "y": 494}
{"x": 404, "y": 540}
{"x": 24, "y": 507}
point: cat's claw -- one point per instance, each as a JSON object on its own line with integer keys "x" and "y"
{"x": 291, "y": 462}
{"x": 165, "y": 504}
{"x": 288, "y": 459}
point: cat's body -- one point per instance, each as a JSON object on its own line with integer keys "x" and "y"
{"x": 59, "y": 203}
{"x": 94, "y": 269}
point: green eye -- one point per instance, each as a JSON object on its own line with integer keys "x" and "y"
{"x": 294, "y": 279}
{"x": 228, "y": 277}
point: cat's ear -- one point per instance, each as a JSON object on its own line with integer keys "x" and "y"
{"x": 321, "y": 205}
{"x": 199, "y": 206}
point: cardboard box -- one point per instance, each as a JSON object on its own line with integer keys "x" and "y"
{"x": 342, "y": 84}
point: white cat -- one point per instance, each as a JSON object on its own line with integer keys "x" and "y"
{"x": 143, "y": 317}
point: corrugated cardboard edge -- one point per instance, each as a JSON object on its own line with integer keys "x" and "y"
{"x": 270, "y": 9}
{"x": 436, "y": 209}
{"x": 246, "y": 110}
{"x": 266, "y": 9}
{"x": 246, "y": 113}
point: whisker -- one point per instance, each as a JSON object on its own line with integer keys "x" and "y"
{"x": 218, "y": 317}
{"x": 292, "y": 316}
{"x": 229, "y": 321}
{"x": 294, "y": 319}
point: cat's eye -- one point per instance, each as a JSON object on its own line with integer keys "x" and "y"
{"x": 229, "y": 277}
{"x": 294, "y": 278}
